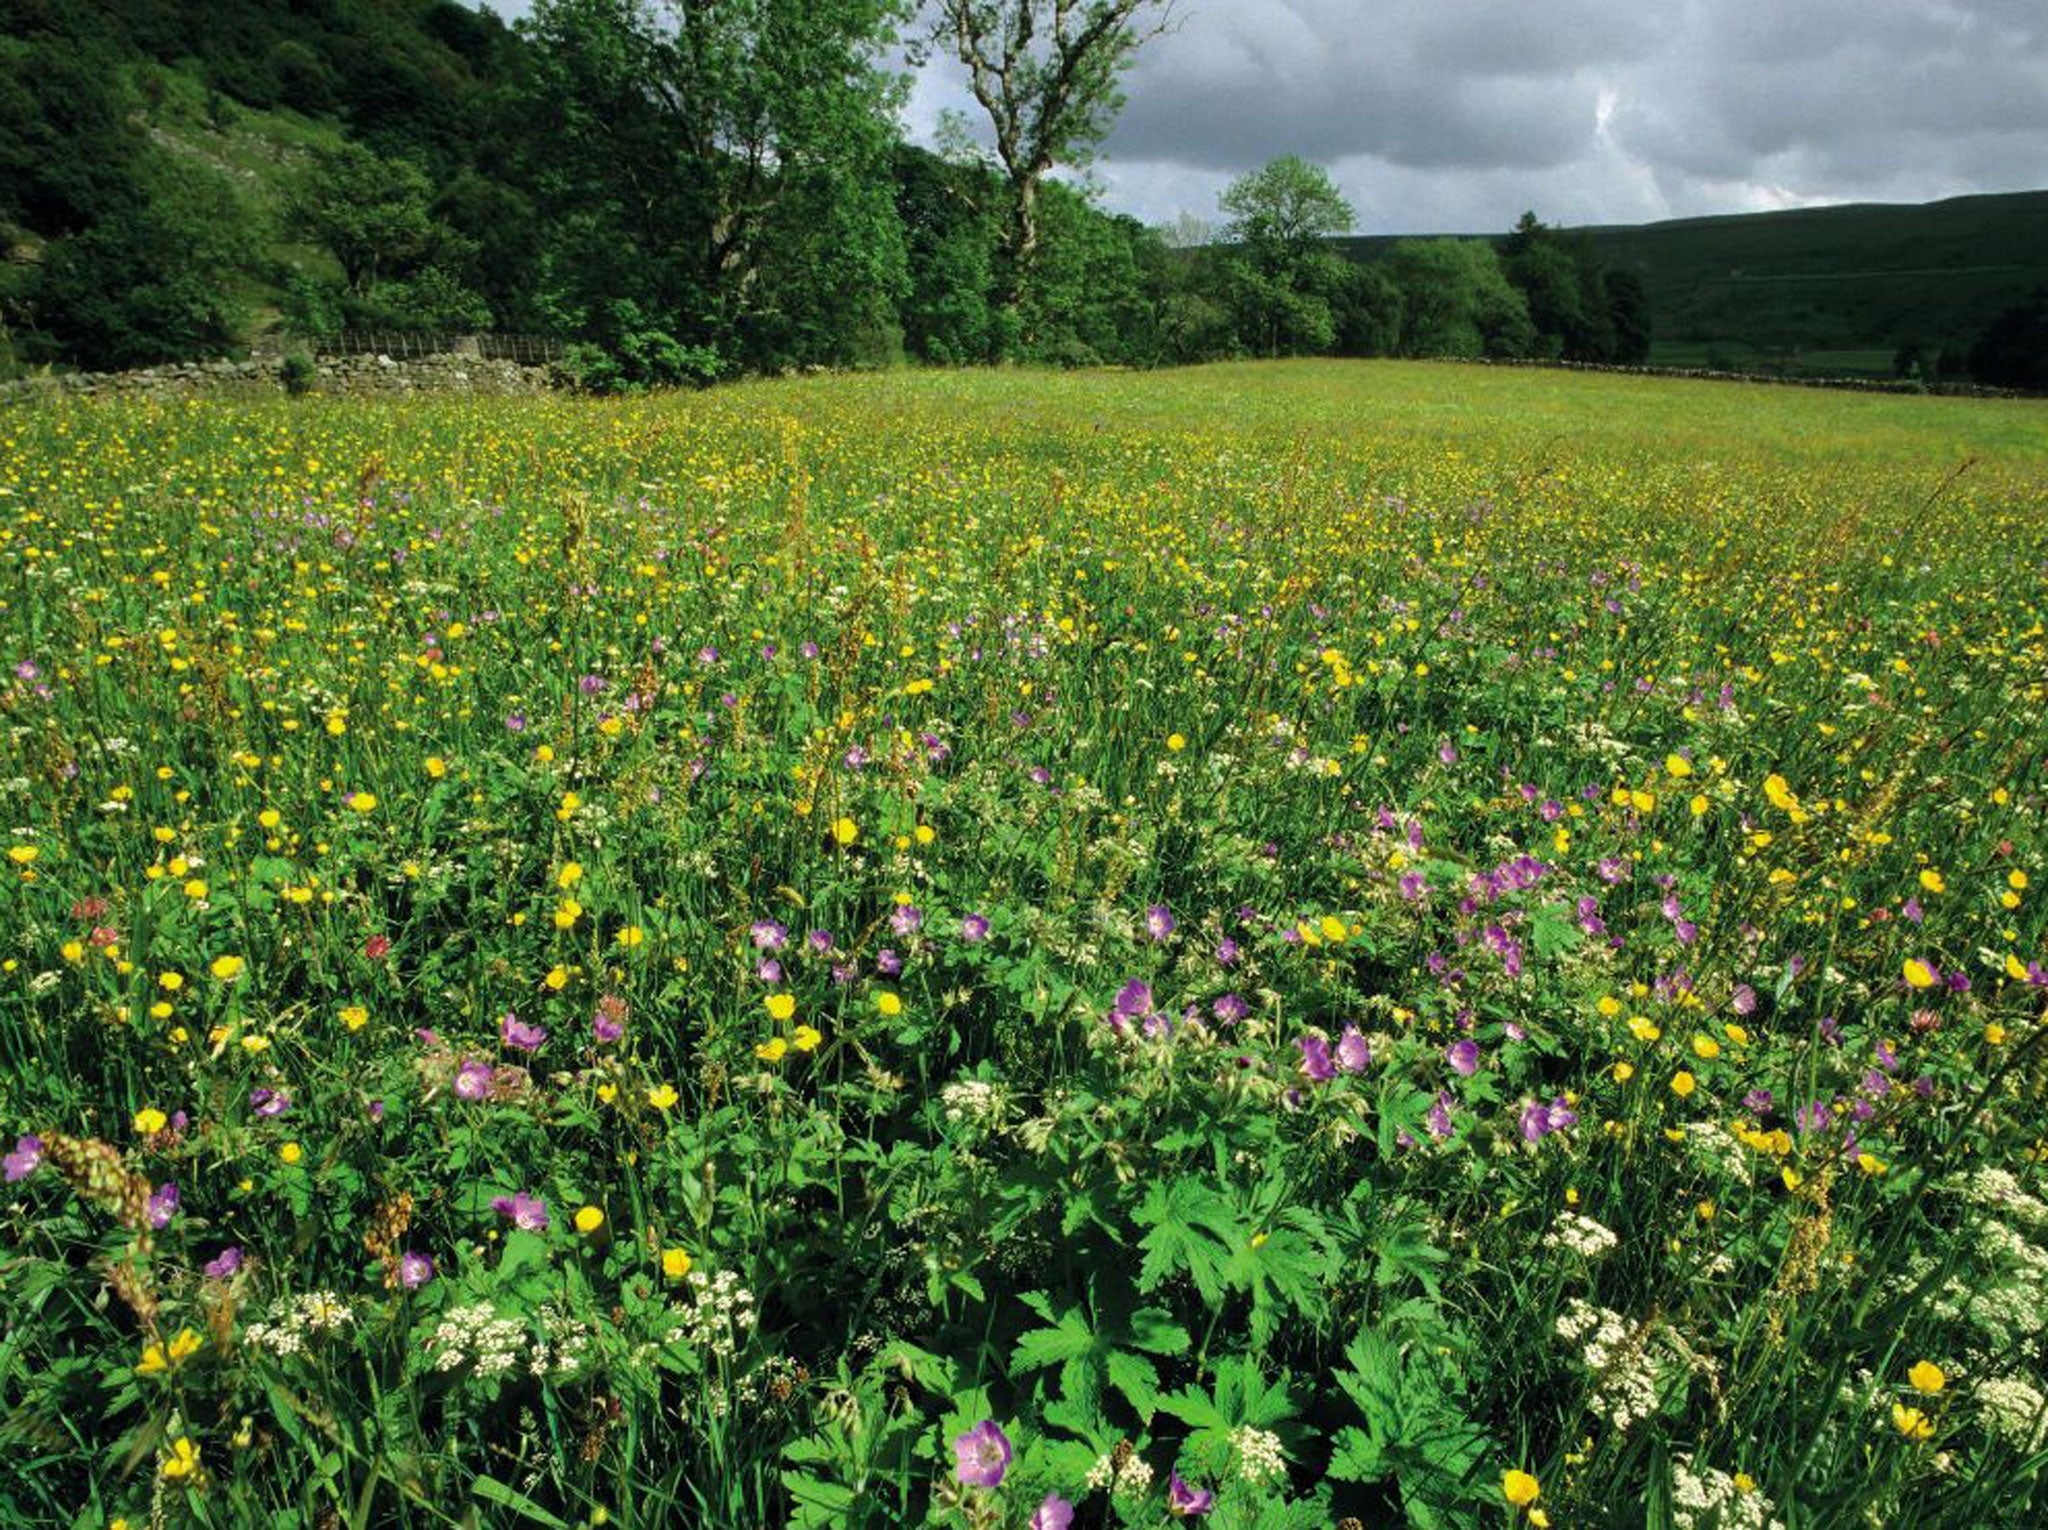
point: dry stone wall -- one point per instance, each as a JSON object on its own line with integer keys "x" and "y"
{"x": 340, "y": 375}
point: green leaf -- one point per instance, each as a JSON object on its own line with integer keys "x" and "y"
{"x": 491, "y": 1490}
{"x": 1357, "y": 1457}
{"x": 1138, "y": 1379}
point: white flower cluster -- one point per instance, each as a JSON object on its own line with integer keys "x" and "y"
{"x": 1259, "y": 1457}
{"x": 722, "y": 1311}
{"x": 2014, "y": 1410}
{"x": 2000, "y": 1190}
{"x": 975, "y": 1103}
{"x": 1624, "y": 1377}
{"x": 295, "y": 1318}
{"x": 1705, "y": 1499}
{"x": 1582, "y": 1235}
{"x": 2005, "y": 1307}
{"x": 477, "y": 1335}
{"x": 1710, "y": 1144}
{"x": 1130, "y": 1480}
{"x": 564, "y": 1343}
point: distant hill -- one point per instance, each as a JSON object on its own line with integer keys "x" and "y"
{"x": 1824, "y": 289}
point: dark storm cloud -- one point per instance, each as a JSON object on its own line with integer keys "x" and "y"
{"x": 1452, "y": 114}
{"x": 1457, "y": 114}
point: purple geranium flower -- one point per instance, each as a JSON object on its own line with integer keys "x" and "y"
{"x": 414, "y": 1270}
{"x": 1439, "y": 1118}
{"x": 1352, "y": 1052}
{"x": 820, "y": 942}
{"x": 515, "y": 1032}
{"x": 887, "y": 962}
{"x": 163, "y": 1205}
{"x": 981, "y": 1455}
{"x": 907, "y": 919}
{"x": 608, "y": 1023}
{"x": 1159, "y": 921}
{"x": 1133, "y": 1003}
{"x": 1185, "y": 1502}
{"x": 768, "y": 935}
{"x": 1054, "y": 1514}
{"x": 973, "y": 928}
{"x": 1463, "y": 1056}
{"x": 1315, "y": 1059}
{"x": 1230, "y": 1008}
{"x": 22, "y": 1162}
{"x": 472, "y": 1080}
{"x": 223, "y": 1264}
{"x": 269, "y": 1102}
{"x": 1226, "y": 951}
{"x": 529, "y": 1213}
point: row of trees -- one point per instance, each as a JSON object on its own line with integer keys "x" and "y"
{"x": 691, "y": 190}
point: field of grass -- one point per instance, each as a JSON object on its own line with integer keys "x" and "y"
{"x": 1287, "y": 945}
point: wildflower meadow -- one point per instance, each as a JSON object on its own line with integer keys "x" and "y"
{"x": 1294, "y": 945}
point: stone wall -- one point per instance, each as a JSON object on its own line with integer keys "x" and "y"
{"x": 350, "y": 375}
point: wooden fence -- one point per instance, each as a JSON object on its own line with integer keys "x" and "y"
{"x": 401, "y": 345}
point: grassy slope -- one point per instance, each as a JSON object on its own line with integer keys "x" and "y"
{"x": 1841, "y": 287}
{"x": 257, "y": 151}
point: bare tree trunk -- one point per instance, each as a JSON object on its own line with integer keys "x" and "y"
{"x": 1020, "y": 240}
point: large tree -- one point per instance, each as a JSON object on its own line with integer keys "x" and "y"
{"x": 1285, "y": 208}
{"x": 1284, "y": 283}
{"x": 1047, "y": 73}
{"x": 719, "y": 165}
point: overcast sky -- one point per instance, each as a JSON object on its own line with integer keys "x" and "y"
{"x": 1454, "y": 115}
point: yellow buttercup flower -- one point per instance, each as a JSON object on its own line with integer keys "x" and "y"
{"x": 226, "y": 968}
{"x": 1519, "y": 1488}
{"x": 772, "y": 1050}
{"x": 182, "y": 1462}
{"x": 806, "y": 1039}
{"x": 588, "y": 1220}
{"x": 149, "y": 1121}
{"x": 780, "y": 1006}
{"x": 845, "y": 830}
{"x": 1927, "y": 1377}
{"x": 675, "y": 1263}
{"x": 663, "y": 1096}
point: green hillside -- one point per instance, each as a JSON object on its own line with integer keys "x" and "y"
{"x": 1824, "y": 289}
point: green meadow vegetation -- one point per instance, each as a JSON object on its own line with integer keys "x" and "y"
{"x": 1281, "y": 944}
